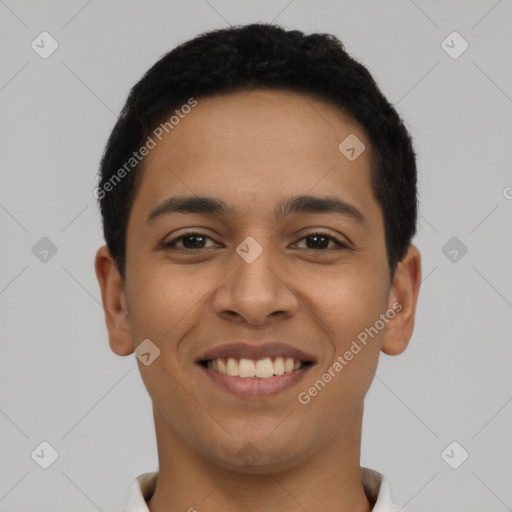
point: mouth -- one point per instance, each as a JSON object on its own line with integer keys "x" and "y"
{"x": 249, "y": 368}
{"x": 255, "y": 371}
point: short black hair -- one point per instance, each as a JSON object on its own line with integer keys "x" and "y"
{"x": 264, "y": 56}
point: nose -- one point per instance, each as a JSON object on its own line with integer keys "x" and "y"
{"x": 254, "y": 292}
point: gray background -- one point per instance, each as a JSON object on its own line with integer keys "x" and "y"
{"x": 59, "y": 381}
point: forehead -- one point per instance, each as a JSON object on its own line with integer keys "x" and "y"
{"x": 252, "y": 148}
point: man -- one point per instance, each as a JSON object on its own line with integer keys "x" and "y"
{"x": 258, "y": 196}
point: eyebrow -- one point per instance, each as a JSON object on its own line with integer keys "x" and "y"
{"x": 214, "y": 206}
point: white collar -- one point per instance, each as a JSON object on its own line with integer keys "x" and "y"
{"x": 375, "y": 486}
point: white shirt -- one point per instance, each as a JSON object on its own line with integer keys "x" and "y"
{"x": 374, "y": 484}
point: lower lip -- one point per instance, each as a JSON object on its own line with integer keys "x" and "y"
{"x": 254, "y": 387}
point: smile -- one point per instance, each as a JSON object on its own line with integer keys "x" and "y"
{"x": 254, "y": 379}
{"x": 249, "y": 368}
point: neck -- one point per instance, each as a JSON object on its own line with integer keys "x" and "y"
{"x": 329, "y": 481}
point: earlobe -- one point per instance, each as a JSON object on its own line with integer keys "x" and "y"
{"x": 403, "y": 298}
{"x": 114, "y": 302}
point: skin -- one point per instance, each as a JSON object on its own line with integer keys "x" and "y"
{"x": 253, "y": 149}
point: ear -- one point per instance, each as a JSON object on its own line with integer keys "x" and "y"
{"x": 403, "y": 297}
{"x": 114, "y": 303}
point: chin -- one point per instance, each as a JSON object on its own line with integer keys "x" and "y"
{"x": 253, "y": 458}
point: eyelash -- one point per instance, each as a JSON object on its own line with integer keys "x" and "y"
{"x": 172, "y": 244}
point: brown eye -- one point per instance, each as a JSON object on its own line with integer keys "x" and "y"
{"x": 190, "y": 242}
{"x": 320, "y": 241}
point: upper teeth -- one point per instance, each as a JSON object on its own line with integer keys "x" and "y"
{"x": 262, "y": 368}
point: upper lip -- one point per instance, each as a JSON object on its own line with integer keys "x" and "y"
{"x": 260, "y": 351}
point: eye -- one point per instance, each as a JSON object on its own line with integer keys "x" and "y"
{"x": 190, "y": 241}
{"x": 320, "y": 241}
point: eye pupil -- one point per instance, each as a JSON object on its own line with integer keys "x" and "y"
{"x": 188, "y": 237}
{"x": 316, "y": 237}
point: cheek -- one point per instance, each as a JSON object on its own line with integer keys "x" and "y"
{"x": 354, "y": 317}
{"x": 348, "y": 299}
{"x": 348, "y": 307}
{"x": 162, "y": 299}
{"x": 165, "y": 306}
{"x": 170, "y": 302}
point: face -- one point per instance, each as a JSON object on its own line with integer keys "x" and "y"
{"x": 267, "y": 277}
